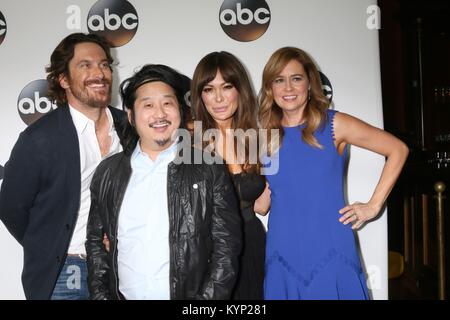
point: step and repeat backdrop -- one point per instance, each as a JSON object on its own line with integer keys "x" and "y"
{"x": 342, "y": 37}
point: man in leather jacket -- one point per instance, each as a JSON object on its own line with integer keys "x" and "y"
{"x": 173, "y": 228}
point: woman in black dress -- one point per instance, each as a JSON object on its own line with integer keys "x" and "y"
{"x": 223, "y": 100}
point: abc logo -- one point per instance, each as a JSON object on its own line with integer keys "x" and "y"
{"x": 326, "y": 86}
{"x": 33, "y": 102}
{"x": 244, "y": 20}
{"x": 187, "y": 98}
{"x": 116, "y": 20}
{"x": 2, "y": 28}
{"x": 185, "y": 84}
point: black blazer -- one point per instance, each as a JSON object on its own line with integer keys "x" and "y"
{"x": 40, "y": 196}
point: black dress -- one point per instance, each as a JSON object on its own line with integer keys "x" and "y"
{"x": 250, "y": 281}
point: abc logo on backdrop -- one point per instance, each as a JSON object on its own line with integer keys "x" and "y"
{"x": 244, "y": 20}
{"x": 116, "y": 20}
{"x": 33, "y": 102}
{"x": 326, "y": 86}
{"x": 2, "y": 27}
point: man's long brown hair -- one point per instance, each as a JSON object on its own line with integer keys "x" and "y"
{"x": 60, "y": 58}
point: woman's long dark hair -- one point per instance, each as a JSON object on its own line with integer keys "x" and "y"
{"x": 233, "y": 72}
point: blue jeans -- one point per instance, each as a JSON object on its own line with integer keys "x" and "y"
{"x": 72, "y": 281}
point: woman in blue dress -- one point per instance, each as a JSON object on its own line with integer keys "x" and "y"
{"x": 311, "y": 251}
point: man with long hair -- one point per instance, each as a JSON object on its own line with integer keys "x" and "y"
{"x": 45, "y": 196}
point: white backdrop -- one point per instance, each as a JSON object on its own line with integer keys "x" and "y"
{"x": 179, "y": 33}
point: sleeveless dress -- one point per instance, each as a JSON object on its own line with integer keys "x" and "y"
{"x": 309, "y": 253}
{"x": 250, "y": 280}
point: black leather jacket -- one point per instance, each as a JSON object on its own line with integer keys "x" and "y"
{"x": 204, "y": 229}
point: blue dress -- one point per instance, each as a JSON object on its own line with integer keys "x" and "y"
{"x": 309, "y": 253}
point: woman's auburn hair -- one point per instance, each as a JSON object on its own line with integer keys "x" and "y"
{"x": 270, "y": 114}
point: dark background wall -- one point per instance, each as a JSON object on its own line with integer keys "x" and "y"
{"x": 415, "y": 71}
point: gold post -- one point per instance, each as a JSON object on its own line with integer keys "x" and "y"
{"x": 439, "y": 187}
{"x": 425, "y": 232}
{"x": 406, "y": 248}
{"x": 412, "y": 223}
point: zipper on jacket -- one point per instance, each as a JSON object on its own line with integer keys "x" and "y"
{"x": 172, "y": 260}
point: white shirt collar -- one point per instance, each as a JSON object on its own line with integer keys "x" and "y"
{"x": 168, "y": 153}
{"x": 81, "y": 121}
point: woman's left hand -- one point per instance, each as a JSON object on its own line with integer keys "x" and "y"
{"x": 358, "y": 213}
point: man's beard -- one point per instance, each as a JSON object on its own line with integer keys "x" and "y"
{"x": 162, "y": 142}
{"x": 83, "y": 96}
